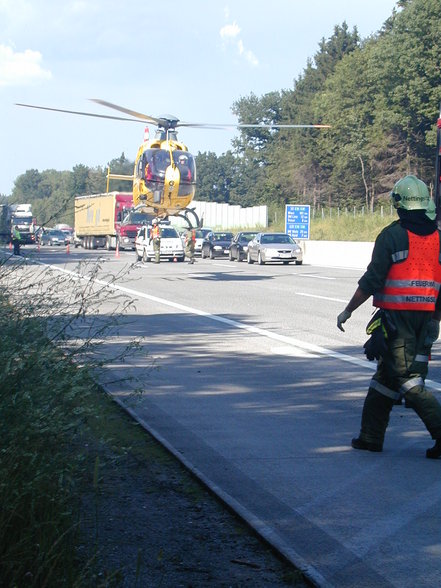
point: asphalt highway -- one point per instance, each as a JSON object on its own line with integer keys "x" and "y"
{"x": 244, "y": 376}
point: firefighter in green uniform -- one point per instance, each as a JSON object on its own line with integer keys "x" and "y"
{"x": 190, "y": 243}
{"x": 155, "y": 236}
{"x": 404, "y": 278}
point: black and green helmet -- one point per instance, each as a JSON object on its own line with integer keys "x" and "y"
{"x": 410, "y": 193}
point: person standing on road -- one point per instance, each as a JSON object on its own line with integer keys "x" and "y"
{"x": 404, "y": 278}
{"x": 155, "y": 236}
{"x": 16, "y": 239}
{"x": 190, "y": 243}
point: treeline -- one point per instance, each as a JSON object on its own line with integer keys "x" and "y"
{"x": 52, "y": 192}
{"x": 381, "y": 96}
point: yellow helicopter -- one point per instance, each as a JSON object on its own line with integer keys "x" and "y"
{"x": 164, "y": 175}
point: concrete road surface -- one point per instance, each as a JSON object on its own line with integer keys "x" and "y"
{"x": 248, "y": 381}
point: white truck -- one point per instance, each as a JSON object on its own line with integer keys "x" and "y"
{"x": 21, "y": 217}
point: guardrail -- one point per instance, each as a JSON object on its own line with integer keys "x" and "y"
{"x": 337, "y": 253}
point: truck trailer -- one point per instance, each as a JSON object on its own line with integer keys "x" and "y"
{"x": 107, "y": 220}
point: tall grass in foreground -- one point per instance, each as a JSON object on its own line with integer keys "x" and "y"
{"x": 41, "y": 412}
{"x": 47, "y": 407}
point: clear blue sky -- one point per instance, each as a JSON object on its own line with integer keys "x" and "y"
{"x": 190, "y": 58}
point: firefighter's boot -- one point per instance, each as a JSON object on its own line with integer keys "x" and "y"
{"x": 435, "y": 451}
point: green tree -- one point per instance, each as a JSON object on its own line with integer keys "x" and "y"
{"x": 121, "y": 166}
{"x": 298, "y": 167}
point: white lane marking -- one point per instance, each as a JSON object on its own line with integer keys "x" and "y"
{"x": 310, "y": 347}
{"x": 292, "y": 351}
{"x": 228, "y": 265}
{"x": 313, "y": 276}
{"x": 321, "y": 297}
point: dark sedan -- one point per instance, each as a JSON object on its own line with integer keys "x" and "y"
{"x": 239, "y": 245}
{"x": 216, "y": 244}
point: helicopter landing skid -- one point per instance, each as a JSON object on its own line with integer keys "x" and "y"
{"x": 185, "y": 215}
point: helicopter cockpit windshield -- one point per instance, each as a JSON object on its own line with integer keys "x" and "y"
{"x": 156, "y": 161}
{"x": 154, "y": 164}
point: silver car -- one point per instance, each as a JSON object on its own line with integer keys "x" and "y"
{"x": 269, "y": 247}
{"x": 53, "y": 237}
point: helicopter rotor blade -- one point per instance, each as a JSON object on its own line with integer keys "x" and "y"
{"x": 169, "y": 121}
{"x": 276, "y": 126}
{"x": 139, "y": 115}
{"x": 251, "y": 126}
{"x": 79, "y": 112}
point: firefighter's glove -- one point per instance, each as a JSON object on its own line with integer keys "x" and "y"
{"x": 432, "y": 333}
{"x": 342, "y": 318}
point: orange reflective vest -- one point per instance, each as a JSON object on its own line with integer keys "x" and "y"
{"x": 414, "y": 278}
{"x": 156, "y": 232}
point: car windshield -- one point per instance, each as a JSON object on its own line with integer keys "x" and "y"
{"x": 137, "y": 218}
{"x": 222, "y": 236}
{"x": 58, "y": 234}
{"x": 201, "y": 233}
{"x": 169, "y": 233}
{"x": 247, "y": 237}
{"x": 276, "y": 238}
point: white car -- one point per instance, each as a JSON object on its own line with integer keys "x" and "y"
{"x": 171, "y": 244}
{"x": 200, "y": 236}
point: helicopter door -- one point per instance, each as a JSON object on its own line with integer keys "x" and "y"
{"x": 185, "y": 163}
{"x": 187, "y": 169}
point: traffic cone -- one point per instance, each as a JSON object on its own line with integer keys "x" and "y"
{"x": 67, "y": 248}
{"x": 175, "y": 259}
{"x": 10, "y": 245}
{"x": 117, "y": 249}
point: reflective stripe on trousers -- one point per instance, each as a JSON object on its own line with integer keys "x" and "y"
{"x": 408, "y": 385}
